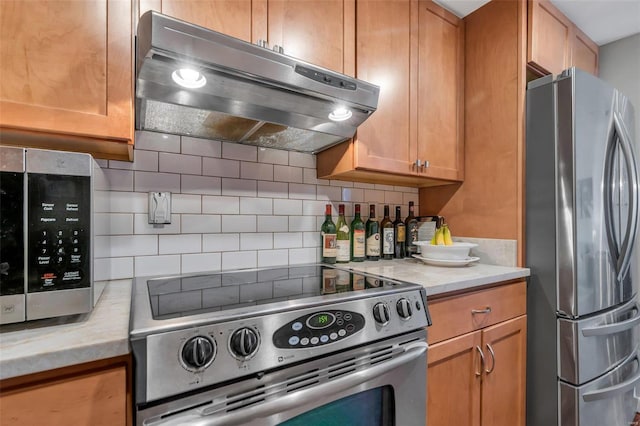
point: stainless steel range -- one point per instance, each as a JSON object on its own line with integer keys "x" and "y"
{"x": 288, "y": 346}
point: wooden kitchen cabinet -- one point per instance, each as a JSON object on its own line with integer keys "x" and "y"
{"x": 67, "y": 75}
{"x": 92, "y": 394}
{"x": 477, "y": 362}
{"x": 413, "y": 50}
{"x": 554, "y": 43}
{"x": 317, "y": 31}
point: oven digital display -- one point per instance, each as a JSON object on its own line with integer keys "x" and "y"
{"x": 321, "y": 320}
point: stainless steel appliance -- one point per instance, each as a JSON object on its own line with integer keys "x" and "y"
{"x": 279, "y": 346}
{"x": 46, "y": 240}
{"x": 583, "y": 362}
{"x": 197, "y": 82}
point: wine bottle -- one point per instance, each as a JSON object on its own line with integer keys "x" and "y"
{"x": 388, "y": 237}
{"x": 399, "y": 231}
{"x": 342, "y": 238}
{"x": 411, "y": 232}
{"x": 357, "y": 236}
{"x": 372, "y": 248}
{"x": 328, "y": 234}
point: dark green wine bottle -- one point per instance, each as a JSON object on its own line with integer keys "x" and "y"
{"x": 388, "y": 237}
{"x": 328, "y": 235}
{"x": 357, "y": 236}
{"x": 372, "y": 248}
{"x": 411, "y": 232}
{"x": 399, "y": 231}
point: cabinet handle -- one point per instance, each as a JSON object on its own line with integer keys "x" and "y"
{"x": 479, "y": 373}
{"x": 486, "y": 310}
{"x": 278, "y": 49}
{"x": 418, "y": 163}
{"x": 262, "y": 43}
{"x": 493, "y": 359}
{"x": 425, "y": 164}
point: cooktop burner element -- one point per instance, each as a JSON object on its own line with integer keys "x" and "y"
{"x": 191, "y": 332}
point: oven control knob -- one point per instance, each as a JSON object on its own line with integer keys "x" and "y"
{"x": 198, "y": 352}
{"x": 244, "y": 343}
{"x": 404, "y": 308}
{"x": 381, "y": 313}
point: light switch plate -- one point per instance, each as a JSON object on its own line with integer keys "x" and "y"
{"x": 159, "y": 208}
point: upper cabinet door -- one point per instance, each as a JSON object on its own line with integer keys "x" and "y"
{"x": 67, "y": 67}
{"x": 232, "y": 17}
{"x": 440, "y": 71}
{"x": 383, "y": 38}
{"x": 310, "y": 30}
{"x": 584, "y": 52}
{"x": 549, "y": 38}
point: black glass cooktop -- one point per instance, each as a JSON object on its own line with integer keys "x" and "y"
{"x": 184, "y": 296}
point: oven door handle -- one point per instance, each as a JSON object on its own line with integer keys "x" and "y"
{"x": 411, "y": 352}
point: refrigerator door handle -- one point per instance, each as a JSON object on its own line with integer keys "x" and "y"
{"x": 612, "y": 391}
{"x": 632, "y": 223}
{"x": 614, "y": 328}
{"x": 608, "y": 183}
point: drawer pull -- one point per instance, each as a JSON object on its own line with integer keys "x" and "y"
{"x": 493, "y": 359}
{"x": 479, "y": 373}
{"x": 486, "y": 310}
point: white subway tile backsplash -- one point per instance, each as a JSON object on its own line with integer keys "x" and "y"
{"x": 183, "y": 203}
{"x": 302, "y": 191}
{"x": 157, "y": 182}
{"x": 287, "y": 240}
{"x": 303, "y": 255}
{"x": 239, "y": 187}
{"x": 287, "y": 207}
{"x": 157, "y": 265}
{"x": 220, "y": 242}
{"x": 201, "y": 185}
{"x": 273, "y": 223}
{"x": 239, "y": 260}
{"x": 157, "y": 142}
{"x": 256, "y": 171}
{"x": 220, "y": 167}
{"x": 273, "y": 156}
{"x": 257, "y": 241}
{"x": 287, "y": 174}
{"x": 201, "y": 147}
{"x": 202, "y": 262}
{"x": 141, "y": 225}
{"x": 328, "y": 193}
{"x": 238, "y": 223}
{"x": 220, "y": 205}
{"x": 200, "y": 223}
{"x": 180, "y": 163}
{"x": 233, "y": 206}
{"x": 119, "y": 180}
{"x": 268, "y": 258}
{"x": 301, "y": 159}
{"x": 178, "y": 244}
{"x": 236, "y": 151}
{"x": 273, "y": 189}
{"x": 302, "y": 223}
{"x": 255, "y": 205}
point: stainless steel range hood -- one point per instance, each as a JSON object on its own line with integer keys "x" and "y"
{"x": 248, "y": 94}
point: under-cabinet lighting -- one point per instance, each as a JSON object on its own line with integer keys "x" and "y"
{"x": 340, "y": 114}
{"x": 191, "y": 79}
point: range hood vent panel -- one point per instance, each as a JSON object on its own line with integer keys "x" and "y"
{"x": 252, "y": 95}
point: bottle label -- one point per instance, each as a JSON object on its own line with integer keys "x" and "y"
{"x": 387, "y": 241}
{"x": 344, "y": 228}
{"x": 412, "y": 235}
{"x": 373, "y": 245}
{"x": 343, "y": 251}
{"x": 400, "y": 234}
{"x": 329, "y": 247}
{"x": 358, "y": 243}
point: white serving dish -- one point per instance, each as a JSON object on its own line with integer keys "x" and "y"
{"x": 458, "y": 251}
{"x": 443, "y": 262}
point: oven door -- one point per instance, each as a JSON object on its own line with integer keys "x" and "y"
{"x": 382, "y": 384}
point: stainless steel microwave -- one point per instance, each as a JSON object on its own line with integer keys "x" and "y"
{"x": 46, "y": 234}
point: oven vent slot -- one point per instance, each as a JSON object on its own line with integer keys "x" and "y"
{"x": 300, "y": 381}
{"x": 241, "y": 400}
{"x": 340, "y": 369}
{"x": 382, "y": 355}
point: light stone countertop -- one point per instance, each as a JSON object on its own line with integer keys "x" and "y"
{"x": 42, "y": 345}
{"x": 440, "y": 279}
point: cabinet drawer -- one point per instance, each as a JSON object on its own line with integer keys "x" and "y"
{"x": 453, "y": 316}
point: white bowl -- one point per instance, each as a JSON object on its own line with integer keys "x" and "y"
{"x": 454, "y": 252}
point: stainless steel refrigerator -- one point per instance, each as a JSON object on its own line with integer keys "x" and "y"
{"x": 583, "y": 362}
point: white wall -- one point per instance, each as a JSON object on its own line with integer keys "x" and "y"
{"x": 234, "y": 206}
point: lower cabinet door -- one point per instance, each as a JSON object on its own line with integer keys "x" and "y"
{"x": 454, "y": 380}
{"x": 503, "y": 384}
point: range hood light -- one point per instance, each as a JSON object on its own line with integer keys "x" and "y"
{"x": 340, "y": 114}
{"x": 191, "y": 79}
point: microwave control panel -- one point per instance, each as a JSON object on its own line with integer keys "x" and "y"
{"x": 318, "y": 329}
{"x": 59, "y": 219}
